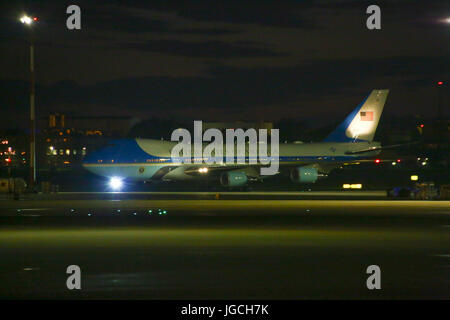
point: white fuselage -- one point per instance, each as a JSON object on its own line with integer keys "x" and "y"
{"x": 142, "y": 159}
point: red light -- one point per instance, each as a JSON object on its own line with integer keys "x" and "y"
{"x": 377, "y": 161}
{"x": 35, "y": 19}
{"x": 399, "y": 160}
{"x": 421, "y": 125}
{"x": 440, "y": 83}
{"x": 8, "y": 160}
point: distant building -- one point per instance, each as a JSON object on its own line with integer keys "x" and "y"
{"x": 67, "y": 139}
{"x": 13, "y": 149}
{"x": 91, "y": 125}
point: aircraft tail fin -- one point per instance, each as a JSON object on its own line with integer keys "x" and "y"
{"x": 361, "y": 123}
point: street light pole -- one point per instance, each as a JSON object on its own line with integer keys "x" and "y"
{"x": 440, "y": 121}
{"x": 439, "y": 85}
{"x": 32, "y": 120}
{"x": 32, "y": 180}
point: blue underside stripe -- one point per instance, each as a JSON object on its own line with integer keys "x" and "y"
{"x": 246, "y": 160}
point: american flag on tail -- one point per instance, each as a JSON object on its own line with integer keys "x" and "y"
{"x": 366, "y": 115}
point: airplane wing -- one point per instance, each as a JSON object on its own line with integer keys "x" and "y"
{"x": 382, "y": 148}
{"x": 199, "y": 170}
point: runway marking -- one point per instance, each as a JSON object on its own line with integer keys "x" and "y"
{"x": 214, "y": 238}
{"x": 261, "y": 193}
{"x": 30, "y": 269}
{"x": 442, "y": 255}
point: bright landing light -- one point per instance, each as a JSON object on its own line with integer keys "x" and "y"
{"x": 26, "y": 20}
{"x": 115, "y": 183}
{"x": 352, "y": 186}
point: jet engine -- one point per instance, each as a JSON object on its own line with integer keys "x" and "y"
{"x": 304, "y": 175}
{"x": 233, "y": 179}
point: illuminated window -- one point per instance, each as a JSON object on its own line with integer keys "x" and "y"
{"x": 94, "y": 132}
{"x": 74, "y": 152}
{"x": 61, "y": 152}
{"x": 52, "y": 121}
{"x": 68, "y": 152}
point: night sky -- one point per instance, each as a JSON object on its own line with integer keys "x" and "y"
{"x": 227, "y": 60}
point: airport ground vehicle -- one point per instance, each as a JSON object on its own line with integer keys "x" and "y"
{"x": 12, "y": 185}
{"x": 419, "y": 191}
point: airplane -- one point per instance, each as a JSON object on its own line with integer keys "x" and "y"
{"x": 150, "y": 160}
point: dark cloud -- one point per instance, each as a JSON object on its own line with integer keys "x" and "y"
{"x": 115, "y": 19}
{"x": 204, "y": 49}
{"x": 229, "y": 57}
{"x": 237, "y": 88}
{"x": 263, "y": 13}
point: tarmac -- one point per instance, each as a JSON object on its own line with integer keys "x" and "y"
{"x": 224, "y": 249}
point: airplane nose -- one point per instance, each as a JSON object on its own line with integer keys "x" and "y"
{"x": 88, "y": 160}
{"x": 91, "y": 157}
{"x": 101, "y": 155}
